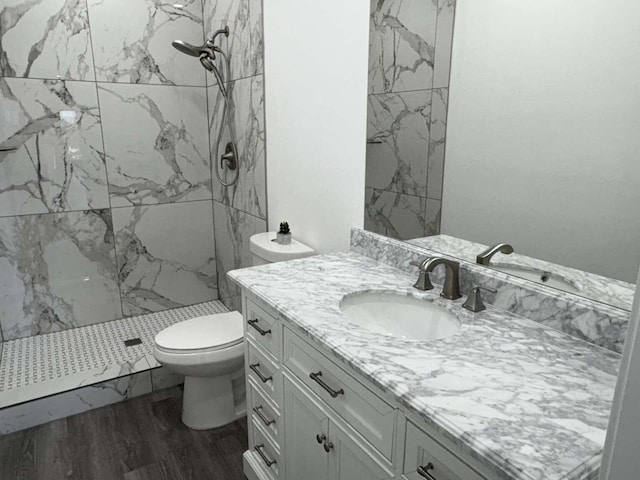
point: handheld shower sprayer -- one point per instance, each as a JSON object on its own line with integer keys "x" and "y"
{"x": 207, "y": 55}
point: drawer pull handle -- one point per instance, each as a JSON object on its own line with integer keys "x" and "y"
{"x": 262, "y": 417}
{"x": 320, "y": 438}
{"x": 254, "y": 324}
{"x": 254, "y": 367}
{"x": 424, "y": 471}
{"x": 260, "y": 450}
{"x": 316, "y": 378}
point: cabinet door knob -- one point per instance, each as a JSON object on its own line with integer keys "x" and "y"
{"x": 316, "y": 378}
{"x": 254, "y": 367}
{"x": 320, "y": 438}
{"x": 328, "y": 447}
{"x": 424, "y": 471}
{"x": 254, "y": 324}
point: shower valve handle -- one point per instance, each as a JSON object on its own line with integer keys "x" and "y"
{"x": 228, "y": 159}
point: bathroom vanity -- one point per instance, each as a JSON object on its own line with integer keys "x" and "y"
{"x": 498, "y": 397}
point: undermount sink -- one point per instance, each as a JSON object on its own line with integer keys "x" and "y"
{"x": 399, "y": 316}
{"x": 538, "y": 276}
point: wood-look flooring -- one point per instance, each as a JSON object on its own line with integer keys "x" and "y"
{"x": 140, "y": 439}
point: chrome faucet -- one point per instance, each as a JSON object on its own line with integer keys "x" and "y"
{"x": 485, "y": 257}
{"x": 451, "y": 288}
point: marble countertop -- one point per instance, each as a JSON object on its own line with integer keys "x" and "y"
{"x": 526, "y": 401}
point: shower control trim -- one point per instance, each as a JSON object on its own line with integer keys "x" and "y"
{"x": 229, "y": 159}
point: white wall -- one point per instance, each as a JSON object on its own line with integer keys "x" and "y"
{"x": 543, "y": 142}
{"x": 316, "y": 57}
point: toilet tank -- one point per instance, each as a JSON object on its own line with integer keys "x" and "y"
{"x": 265, "y": 250}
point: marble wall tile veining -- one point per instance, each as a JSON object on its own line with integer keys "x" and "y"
{"x": 233, "y": 230}
{"x": 132, "y": 41}
{"x": 58, "y": 164}
{"x": 247, "y": 104}
{"x": 257, "y": 36}
{"x": 166, "y": 255}
{"x": 402, "y": 45}
{"x": 409, "y": 63}
{"x": 394, "y": 214}
{"x": 444, "y": 39}
{"x": 45, "y": 39}
{"x": 235, "y": 15}
{"x": 106, "y": 120}
{"x": 437, "y": 139}
{"x": 401, "y": 122}
{"x": 57, "y": 271}
{"x": 156, "y": 143}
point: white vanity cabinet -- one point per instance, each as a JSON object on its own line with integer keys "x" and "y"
{"x": 317, "y": 445}
{"x": 309, "y": 418}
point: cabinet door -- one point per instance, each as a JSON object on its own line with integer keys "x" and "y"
{"x": 350, "y": 461}
{"x": 304, "y": 419}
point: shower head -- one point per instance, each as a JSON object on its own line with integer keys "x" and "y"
{"x": 192, "y": 50}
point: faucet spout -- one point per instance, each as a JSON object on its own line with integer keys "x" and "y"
{"x": 451, "y": 287}
{"x": 484, "y": 258}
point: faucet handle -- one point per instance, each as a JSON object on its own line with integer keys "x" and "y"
{"x": 474, "y": 302}
{"x": 424, "y": 282}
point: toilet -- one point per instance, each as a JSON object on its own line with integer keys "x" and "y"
{"x": 209, "y": 350}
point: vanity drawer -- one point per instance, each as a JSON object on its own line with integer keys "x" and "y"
{"x": 363, "y": 410}
{"x": 423, "y": 456}
{"x": 265, "y": 453}
{"x": 264, "y": 329}
{"x": 263, "y": 413}
{"x": 264, "y": 373}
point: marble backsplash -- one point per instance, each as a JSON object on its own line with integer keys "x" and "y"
{"x": 106, "y": 192}
{"x": 594, "y": 322}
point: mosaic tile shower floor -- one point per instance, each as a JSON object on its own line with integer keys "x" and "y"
{"x": 34, "y": 367}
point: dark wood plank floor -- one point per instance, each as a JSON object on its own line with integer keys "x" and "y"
{"x": 140, "y": 439}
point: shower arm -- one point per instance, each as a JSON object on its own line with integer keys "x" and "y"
{"x": 223, "y": 31}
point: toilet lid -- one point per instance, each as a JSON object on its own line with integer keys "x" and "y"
{"x": 211, "y": 331}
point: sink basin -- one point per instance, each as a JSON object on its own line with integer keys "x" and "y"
{"x": 399, "y": 316}
{"x": 538, "y": 276}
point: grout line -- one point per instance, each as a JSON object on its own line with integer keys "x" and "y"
{"x": 240, "y": 210}
{"x": 105, "y": 208}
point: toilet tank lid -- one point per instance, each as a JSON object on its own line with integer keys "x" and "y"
{"x": 197, "y": 333}
{"x": 261, "y": 244}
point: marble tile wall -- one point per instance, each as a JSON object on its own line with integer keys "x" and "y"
{"x": 409, "y": 61}
{"x": 240, "y": 210}
{"x": 107, "y": 136}
{"x": 106, "y": 195}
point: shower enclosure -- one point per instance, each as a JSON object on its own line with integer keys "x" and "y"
{"x": 109, "y": 206}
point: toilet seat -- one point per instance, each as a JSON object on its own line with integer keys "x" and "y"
{"x": 209, "y": 333}
{"x": 216, "y": 348}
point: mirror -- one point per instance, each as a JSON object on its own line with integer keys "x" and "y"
{"x": 497, "y": 122}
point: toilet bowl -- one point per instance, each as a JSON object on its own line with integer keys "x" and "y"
{"x": 208, "y": 350}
